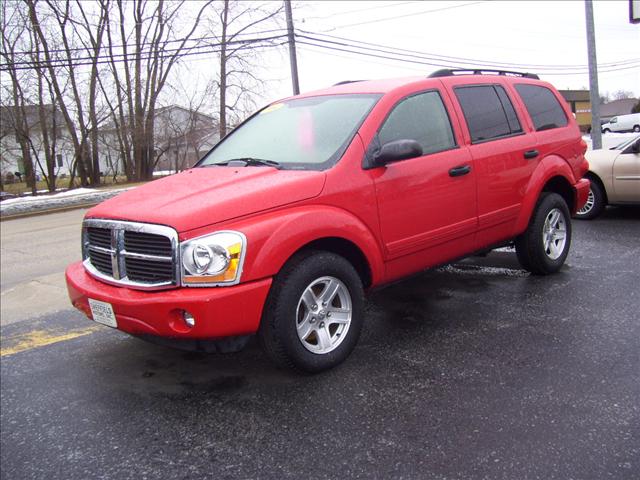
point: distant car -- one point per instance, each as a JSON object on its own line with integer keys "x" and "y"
{"x": 614, "y": 176}
{"x": 623, "y": 123}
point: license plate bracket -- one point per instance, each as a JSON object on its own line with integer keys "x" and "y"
{"x": 102, "y": 312}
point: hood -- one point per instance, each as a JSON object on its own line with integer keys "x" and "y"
{"x": 204, "y": 196}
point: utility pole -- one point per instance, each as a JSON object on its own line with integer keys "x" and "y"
{"x": 292, "y": 48}
{"x": 594, "y": 92}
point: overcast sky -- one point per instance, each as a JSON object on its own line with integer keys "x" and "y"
{"x": 542, "y": 35}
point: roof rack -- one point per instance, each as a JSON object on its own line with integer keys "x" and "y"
{"x": 449, "y": 72}
{"x": 344, "y": 82}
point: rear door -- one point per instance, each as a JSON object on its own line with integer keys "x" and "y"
{"x": 503, "y": 154}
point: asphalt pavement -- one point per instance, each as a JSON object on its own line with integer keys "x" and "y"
{"x": 475, "y": 370}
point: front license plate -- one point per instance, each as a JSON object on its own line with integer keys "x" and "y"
{"x": 102, "y": 312}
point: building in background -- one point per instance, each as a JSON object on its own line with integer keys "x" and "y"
{"x": 11, "y": 161}
{"x": 617, "y": 107}
{"x": 181, "y": 136}
{"x": 580, "y": 104}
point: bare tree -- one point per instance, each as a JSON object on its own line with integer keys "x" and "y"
{"x": 151, "y": 47}
{"x": 237, "y": 82}
{"x": 622, "y": 95}
{"x": 53, "y": 20}
{"x": 13, "y": 34}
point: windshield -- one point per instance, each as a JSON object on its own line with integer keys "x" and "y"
{"x": 625, "y": 143}
{"x": 303, "y": 133}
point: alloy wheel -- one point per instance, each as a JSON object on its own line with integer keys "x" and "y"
{"x": 323, "y": 315}
{"x": 554, "y": 234}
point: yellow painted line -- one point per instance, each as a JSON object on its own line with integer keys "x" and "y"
{"x": 40, "y": 338}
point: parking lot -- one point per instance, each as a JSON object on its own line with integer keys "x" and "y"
{"x": 473, "y": 370}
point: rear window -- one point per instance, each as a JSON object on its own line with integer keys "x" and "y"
{"x": 488, "y": 112}
{"x": 543, "y": 107}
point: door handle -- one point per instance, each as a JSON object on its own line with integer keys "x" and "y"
{"x": 459, "y": 171}
{"x": 531, "y": 154}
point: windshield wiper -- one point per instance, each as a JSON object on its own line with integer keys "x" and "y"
{"x": 248, "y": 161}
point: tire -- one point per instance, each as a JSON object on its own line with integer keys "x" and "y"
{"x": 301, "y": 332}
{"x": 544, "y": 246}
{"x": 595, "y": 203}
{"x": 636, "y": 128}
{"x": 606, "y": 130}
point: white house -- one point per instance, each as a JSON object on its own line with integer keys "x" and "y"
{"x": 11, "y": 158}
{"x": 181, "y": 137}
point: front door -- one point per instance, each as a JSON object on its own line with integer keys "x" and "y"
{"x": 428, "y": 201}
{"x": 626, "y": 176}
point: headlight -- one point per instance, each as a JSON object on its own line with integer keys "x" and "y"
{"x": 212, "y": 260}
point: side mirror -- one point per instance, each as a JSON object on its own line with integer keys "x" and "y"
{"x": 396, "y": 150}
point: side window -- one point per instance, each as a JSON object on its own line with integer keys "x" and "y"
{"x": 512, "y": 118}
{"x": 422, "y": 118}
{"x": 543, "y": 106}
{"x": 488, "y": 111}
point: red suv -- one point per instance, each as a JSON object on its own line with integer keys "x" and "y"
{"x": 282, "y": 226}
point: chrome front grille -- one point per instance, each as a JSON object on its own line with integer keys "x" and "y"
{"x": 136, "y": 255}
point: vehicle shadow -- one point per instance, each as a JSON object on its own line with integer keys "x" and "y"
{"x": 621, "y": 212}
{"x": 426, "y": 308}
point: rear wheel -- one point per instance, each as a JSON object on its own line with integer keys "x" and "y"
{"x": 313, "y": 317}
{"x": 636, "y": 128}
{"x": 595, "y": 203}
{"x": 606, "y": 130}
{"x": 544, "y": 246}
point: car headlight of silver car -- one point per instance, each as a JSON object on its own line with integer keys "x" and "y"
{"x": 213, "y": 260}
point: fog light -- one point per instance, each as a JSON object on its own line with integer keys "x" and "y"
{"x": 188, "y": 319}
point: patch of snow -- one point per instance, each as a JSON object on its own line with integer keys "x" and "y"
{"x": 66, "y": 193}
{"x": 78, "y": 196}
{"x": 477, "y": 270}
{"x": 610, "y": 140}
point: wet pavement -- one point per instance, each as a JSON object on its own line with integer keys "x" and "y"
{"x": 474, "y": 370}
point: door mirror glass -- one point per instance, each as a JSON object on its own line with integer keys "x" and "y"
{"x": 397, "y": 150}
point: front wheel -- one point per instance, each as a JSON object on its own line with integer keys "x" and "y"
{"x": 606, "y": 130}
{"x": 636, "y": 128}
{"x": 314, "y": 313}
{"x": 544, "y": 246}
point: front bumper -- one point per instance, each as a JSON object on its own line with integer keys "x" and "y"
{"x": 218, "y": 312}
{"x": 582, "y": 193}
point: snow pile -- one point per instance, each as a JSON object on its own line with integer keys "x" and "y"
{"x": 49, "y": 196}
{"x": 67, "y": 198}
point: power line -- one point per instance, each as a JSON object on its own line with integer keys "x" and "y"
{"x": 345, "y": 42}
{"x": 386, "y": 19}
{"x": 394, "y": 4}
{"x": 433, "y": 62}
{"x": 144, "y": 44}
{"x": 130, "y": 56}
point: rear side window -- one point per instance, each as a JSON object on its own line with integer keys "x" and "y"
{"x": 422, "y": 118}
{"x": 488, "y": 111}
{"x": 543, "y": 107}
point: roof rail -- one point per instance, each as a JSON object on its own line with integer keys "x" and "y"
{"x": 344, "y": 82}
{"x": 449, "y": 72}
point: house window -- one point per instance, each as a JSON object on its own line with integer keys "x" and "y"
{"x": 59, "y": 160}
